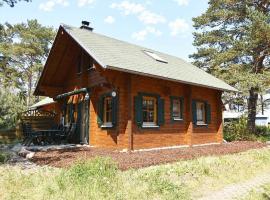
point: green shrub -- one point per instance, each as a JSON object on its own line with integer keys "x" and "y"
{"x": 237, "y": 130}
{"x": 4, "y": 157}
{"x": 262, "y": 130}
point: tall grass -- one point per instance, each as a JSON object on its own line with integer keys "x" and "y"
{"x": 100, "y": 179}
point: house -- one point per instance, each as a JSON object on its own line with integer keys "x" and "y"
{"x": 234, "y": 112}
{"x": 126, "y": 96}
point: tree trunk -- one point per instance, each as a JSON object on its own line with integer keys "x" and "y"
{"x": 252, "y": 105}
{"x": 29, "y": 93}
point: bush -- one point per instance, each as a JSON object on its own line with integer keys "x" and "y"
{"x": 237, "y": 130}
{"x": 4, "y": 157}
{"x": 262, "y": 130}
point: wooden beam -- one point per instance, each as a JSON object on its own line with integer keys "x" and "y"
{"x": 188, "y": 113}
{"x": 50, "y": 90}
{"x": 130, "y": 110}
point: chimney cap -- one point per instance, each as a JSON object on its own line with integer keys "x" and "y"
{"x": 85, "y": 25}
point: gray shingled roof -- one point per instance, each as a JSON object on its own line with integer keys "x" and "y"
{"x": 119, "y": 55}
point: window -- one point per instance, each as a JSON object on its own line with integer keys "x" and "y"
{"x": 155, "y": 56}
{"x": 176, "y": 108}
{"x": 107, "y": 115}
{"x": 149, "y": 111}
{"x": 107, "y": 110}
{"x": 200, "y": 113}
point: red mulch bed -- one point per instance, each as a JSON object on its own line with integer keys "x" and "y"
{"x": 65, "y": 158}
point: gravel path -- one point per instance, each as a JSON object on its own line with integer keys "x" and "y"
{"x": 139, "y": 159}
{"x": 238, "y": 190}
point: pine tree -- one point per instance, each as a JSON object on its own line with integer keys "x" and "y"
{"x": 232, "y": 39}
{"x": 11, "y": 3}
{"x": 24, "y": 49}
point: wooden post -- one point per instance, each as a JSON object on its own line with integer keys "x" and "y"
{"x": 188, "y": 114}
{"x": 130, "y": 111}
{"x": 219, "y": 108}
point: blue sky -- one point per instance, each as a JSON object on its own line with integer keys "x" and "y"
{"x": 163, "y": 25}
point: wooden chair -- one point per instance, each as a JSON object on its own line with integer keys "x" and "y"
{"x": 30, "y": 136}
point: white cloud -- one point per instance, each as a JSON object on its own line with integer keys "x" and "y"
{"x": 49, "y": 5}
{"x": 148, "y": 17}
{"x": 82, "y": 3}
{"x": 141, "y": 35}
{"x": 109, "y": 20}
{"x": 143, "y": 14}
{"x": 182, "y": 2}
{"x": 178, "y": 26}
{"x": 128, "y": 8}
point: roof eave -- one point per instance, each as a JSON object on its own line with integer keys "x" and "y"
{"x": 170, "y": 79}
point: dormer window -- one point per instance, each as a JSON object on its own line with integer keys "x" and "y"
{"x": 155, "y": 56}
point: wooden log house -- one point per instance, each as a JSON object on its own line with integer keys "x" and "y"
{"x": 126, "y": 96}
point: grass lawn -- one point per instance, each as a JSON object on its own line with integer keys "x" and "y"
{"x": 100, "y": 178}
{"x": 262, "y": 193}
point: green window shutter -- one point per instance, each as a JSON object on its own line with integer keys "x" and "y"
{"x": 194, "y": 112}
{"x": 138, "y": 110}
{"x": 171, "y": 108}
{"x": 160, "y": 110}
{"x": 114, "y": 110}
{"x": 100, "y": 110}
{"x": 182, "y": 107}
{"x": 208, "y": 113}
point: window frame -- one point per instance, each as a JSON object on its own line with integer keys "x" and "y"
{"x": 181, "y": 108}
{"x": 202, "y": 122}
{"x": 138, "y": 101}
{"x": 208, "y": 113}
{"x": 114, "y": 110}
{"x": 105, "y": 122}
{"x": 154, "y": 123}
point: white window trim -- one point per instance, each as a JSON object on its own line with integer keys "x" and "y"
{"x": 107, "y": 125}
{"x": 201, "y": 123}
{"x": 149, "y": 125}
{"x": 177, "y": 119}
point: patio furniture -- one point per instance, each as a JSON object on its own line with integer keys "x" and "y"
{"x": 63, "y": 135}
{"x": 30, "y": 136}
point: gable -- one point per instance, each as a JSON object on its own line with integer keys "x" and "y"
{"x": 117, "y": 55}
